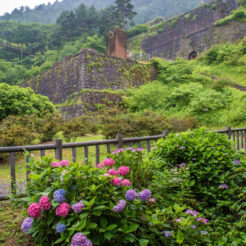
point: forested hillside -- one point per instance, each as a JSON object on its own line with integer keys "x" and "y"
{"x": 146, "y": 9}
{"x": 28, "y": 49}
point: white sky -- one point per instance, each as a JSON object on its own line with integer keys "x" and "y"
{"x": 9, "y": 5}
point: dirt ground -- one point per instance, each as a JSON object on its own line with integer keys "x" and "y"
{"x": 10, "y": 226}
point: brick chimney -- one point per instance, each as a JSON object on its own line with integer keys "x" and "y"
{"x": 117, "y": 43}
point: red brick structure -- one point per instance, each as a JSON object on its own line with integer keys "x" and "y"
{"x": 117, "y": 43}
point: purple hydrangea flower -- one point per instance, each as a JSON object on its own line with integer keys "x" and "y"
{"x": 137, "y": 150}
{"x": 118, "y": 151}
{"x": 120, "y": 206}
{"x": 78, "y": 207}
{"x": 27, "y": 224}
{"x": 223, "y": 186}
{"x": 144, "y": 195}
{"x": 203, "y": 232}
{"x": 194, "y": 226}
{"x": 167, "y": 233}
{"x": 79, "y": 239}
{"x": 88, "y": 243}
{"x": 61, "y": 227}
{"x": 194, "y": 213}
{"x": 59, "y": 195}
{"x": 130, "y": 148}
{"x": 236, "y": 161}
{"x": 182, "y": 165}
{"x": 131, "y": 195}
{"x": 188, "y": 211}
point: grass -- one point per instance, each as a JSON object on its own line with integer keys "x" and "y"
{"x": 10, "y": 223}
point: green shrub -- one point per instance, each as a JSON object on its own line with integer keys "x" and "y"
{"x": 15, "y": 100}
{"x": 242, "y": 3}
{"x": 48, "y": 125}
{"x": 209, "y": 157}
{"x": 73, "y": 129}
{"x": 138, "y": 29}
{"x": 131, "y": 125}
{"x": 16, "y": 131}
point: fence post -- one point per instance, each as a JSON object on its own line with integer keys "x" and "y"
{"x": 164, "y": 134}
{"x": 119, "y": 138}
{"x": 228, "y": 129}
{"x": 12, "y": 173}
{"x": 58, "y": 154}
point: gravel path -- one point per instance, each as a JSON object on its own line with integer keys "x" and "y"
{"x": 5, "y": 188}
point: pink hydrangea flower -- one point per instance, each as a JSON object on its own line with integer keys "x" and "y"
{"x": 63, "y": 209}
{"x": 44, "y": 203}
{"x": 178, "y": 220}
{"x": 126, "y": 182}
{"x": 108, "y": 162}
{"x": 123, "y": 170}
{"x": 116, "y": 181}
{"x": 204, "y": 220}
{"x": 112, "y": 172}
{"x": 64, "y": 163}
{"x": 34, "y": 210}
{"x": 100, "y": 165}
{"x": 55, "y": 164}
{"x": 107, "y": 175}
{"x": 152, "y": 200}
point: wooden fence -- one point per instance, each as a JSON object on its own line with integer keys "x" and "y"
{"x": 238, "y": 136}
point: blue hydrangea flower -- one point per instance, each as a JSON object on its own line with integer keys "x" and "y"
{"x": 167, "y": 233}
{"x": 59, "y": 195}
{"x": 131, "y": 195}
{"x": 62, "y": 192}
{"x": 61, "y": 227}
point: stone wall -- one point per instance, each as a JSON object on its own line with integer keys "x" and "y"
{"x": 89, "y": 100}
{"x": 88, "y": 70}
{"x": 189, "y": 34}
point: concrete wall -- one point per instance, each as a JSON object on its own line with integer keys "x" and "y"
{"x": 189, "y": 34}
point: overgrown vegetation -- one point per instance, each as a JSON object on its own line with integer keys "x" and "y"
{"x": 237, "y": 15}
{"x": 199, "y": 88}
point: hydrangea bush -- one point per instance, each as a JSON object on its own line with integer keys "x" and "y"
{"x": 134, "y": 199}
{"x": 70, "y": 203}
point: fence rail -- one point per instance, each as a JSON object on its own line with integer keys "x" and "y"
{"x": 238, "y": 136}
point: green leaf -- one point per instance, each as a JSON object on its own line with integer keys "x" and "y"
{"x": 92, "y": 201}
{"x": 111, "y": 227}
{"x": 177, "y": 208}
{"x": 143, "y": 242}
{"x": 180, "y": 237}
{"x": 97, "y": 213}
{"x": 131, "y": 228}
{"x": 108, "y": 235}
{"x": 103, "y": 222}
{"x": 92, "y": 226}
{"x": 58, "y": 241}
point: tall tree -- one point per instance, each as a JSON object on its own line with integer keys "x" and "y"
{"x": 124, "y": 8}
